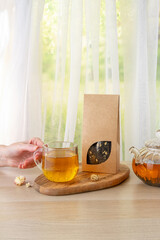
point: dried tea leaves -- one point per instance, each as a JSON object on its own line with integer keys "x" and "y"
{"x": 99, "y": 152}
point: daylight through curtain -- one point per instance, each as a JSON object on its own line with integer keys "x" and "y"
{"x": 20, "y": 91}
{"x": 89, "y": 46}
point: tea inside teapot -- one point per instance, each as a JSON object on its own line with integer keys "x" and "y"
{"x": 146, "y": 161}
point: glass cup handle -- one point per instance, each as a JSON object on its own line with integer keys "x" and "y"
{"x": 37, "y": 155}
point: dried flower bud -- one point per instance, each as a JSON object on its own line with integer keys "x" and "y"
{"x": 94, "y": 177}
{"x": 28, "y": 184}
{"x": 19, "y": 180}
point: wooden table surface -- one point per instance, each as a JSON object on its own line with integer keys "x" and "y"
{"x": 128, "y": 211}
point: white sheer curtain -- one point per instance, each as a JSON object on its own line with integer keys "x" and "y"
{"x": 111, "y": 57}
{"x": 139, "y": 24}
{"x": 140, "y": 20}
{"x": 92, "y": 16}
{"x": 75, "y": 68}
{"x": 83, "y": 59}
{"x": 20, "y": 94}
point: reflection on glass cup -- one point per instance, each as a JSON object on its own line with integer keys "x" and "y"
{"x": 58, "y": 161}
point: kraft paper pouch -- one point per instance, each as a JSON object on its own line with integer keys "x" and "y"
{"x": 101, "y": 133}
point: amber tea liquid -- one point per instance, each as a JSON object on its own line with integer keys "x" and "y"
{"x": 147, "y": 172}
{"x": 60, "y": 165}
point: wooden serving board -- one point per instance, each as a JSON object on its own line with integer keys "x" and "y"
{"x": 81, "y": 183}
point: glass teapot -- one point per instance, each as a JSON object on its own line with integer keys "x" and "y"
{"x": 146, "y": 161}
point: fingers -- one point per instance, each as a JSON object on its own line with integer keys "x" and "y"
{"x": 28, "y": 163}
{"x": 31, "y": 146}
{"x": 27, "y": 147}
{"x": 36, "y": 141}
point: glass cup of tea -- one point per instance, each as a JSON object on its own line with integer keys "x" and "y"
{"x": 58, "y": 161}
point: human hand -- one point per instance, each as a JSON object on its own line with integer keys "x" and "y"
{"x": 21, "y": 154}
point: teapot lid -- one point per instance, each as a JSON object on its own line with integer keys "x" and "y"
{"x": 155, "y": 142}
